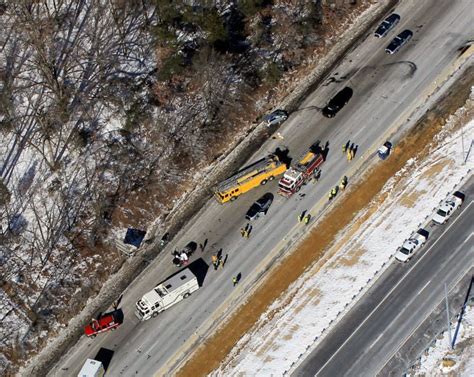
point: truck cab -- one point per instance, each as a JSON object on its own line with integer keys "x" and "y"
{"x": 296, "y": 176}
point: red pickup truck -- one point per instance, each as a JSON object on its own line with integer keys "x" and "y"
{"x": 106, "y": 322}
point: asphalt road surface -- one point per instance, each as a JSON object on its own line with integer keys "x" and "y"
{"x": 404, "y": 296}
{"x": 385, "y": 86}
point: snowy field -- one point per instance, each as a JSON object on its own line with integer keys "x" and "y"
{"x": 301, "y": 316}
{"x": 431, "y": 363}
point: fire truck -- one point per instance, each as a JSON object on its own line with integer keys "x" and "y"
{"x": 297, "y": 176}
{"x": 106, "y": 322}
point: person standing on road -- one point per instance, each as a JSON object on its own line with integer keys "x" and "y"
{"x": 343, "y": 183}
{"x": 223, "y": 261}
{"x": 307, "y": 218}
{"x": 248, "y": 231}
{"x": 344, "y": 147}
{"x": 215, "y": 261}
{"x": 317, "y": 175}
{"x": 242, "y": 232}
{"x": 235, "y": 281}
{"x": 354, "y": 151}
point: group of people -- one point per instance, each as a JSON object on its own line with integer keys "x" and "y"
{"x": 245, "y": 232}
{"x": 333, "y": 192}
{"x": 335, "y": 189}
{"x": 180, "y": 258}
{"x": 217, "y": 261}
{"x": 350, "y": 150}
{"x": 304, "y": 218}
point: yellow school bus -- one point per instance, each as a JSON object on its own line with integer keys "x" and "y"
{"x": 259, "y": 173}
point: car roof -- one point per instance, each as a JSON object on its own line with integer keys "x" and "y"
{"x": 344, "y": 93}
{"x": 405, "y": 33}
{"x": 393, "y": 17}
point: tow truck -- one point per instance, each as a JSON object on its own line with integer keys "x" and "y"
{"x": 106, "y": 322}
{"x": 297, "y": 176}
{"x": 448, "y": 207}
{"x": 410, "y": 246}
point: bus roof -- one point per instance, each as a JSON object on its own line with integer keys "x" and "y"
{"x": 258, "y": 166}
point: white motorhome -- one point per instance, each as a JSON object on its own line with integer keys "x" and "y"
{"x": 92, "y": 368}
{"x": 166, "y": 294}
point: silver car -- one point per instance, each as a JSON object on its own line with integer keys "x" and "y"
{"x": 277, "y": 117}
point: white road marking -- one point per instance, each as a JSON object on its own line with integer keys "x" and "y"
{"x": 467, "y": 239}
{"x": 376, "y": 340}
{"x": 427, "y": 283}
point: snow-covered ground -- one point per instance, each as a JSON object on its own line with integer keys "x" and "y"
{"x": 302, "y": 315}
{"x": 431, "y": 363}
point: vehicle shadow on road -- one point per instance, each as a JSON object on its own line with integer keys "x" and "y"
{"x": 105, "y": 357}
{"x": 199, "y": 268}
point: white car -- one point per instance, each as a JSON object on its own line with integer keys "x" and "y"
{"x": 410, "y": 246}
{"x": 448, "y": 207}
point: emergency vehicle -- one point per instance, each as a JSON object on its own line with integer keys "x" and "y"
{"x": 297, "y": 176}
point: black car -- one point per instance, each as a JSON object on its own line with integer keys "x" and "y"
{"x": 260, "y": 206}
{"x": 388, "y": 24}
{"x": 337, "y": 102}
{"x": 400, "y": 40}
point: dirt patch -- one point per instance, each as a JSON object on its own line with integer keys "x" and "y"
{"x": 352, "y": 257}
{"x": 212, "y": 352}
{"x": 436, "y": 168}
{"x": 410, "y": 199}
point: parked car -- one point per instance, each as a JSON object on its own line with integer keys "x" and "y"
{"x": 448, "y": 207}
{"x": 399, "y": 41}
{"x": 260, "y": 206}
{"x": 275, "y": 118}
{"x": 384, "y": 151}
{"x": 337, "y": 102}
{"x": 388, "y": 24}
{"x": 410, "y": 246}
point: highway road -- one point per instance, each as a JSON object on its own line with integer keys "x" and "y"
{"x": 385, "y": 87}
{"x": 404, "y": 296}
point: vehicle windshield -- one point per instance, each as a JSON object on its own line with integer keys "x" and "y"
{"x": 441, "y": 212}
{"x": 404, "y": 251}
